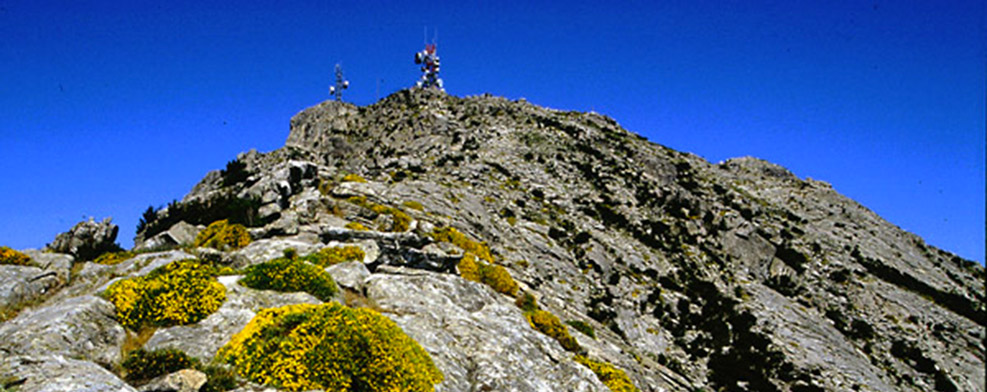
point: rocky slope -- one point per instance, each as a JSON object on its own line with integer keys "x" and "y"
{"x": 690, "y": 275}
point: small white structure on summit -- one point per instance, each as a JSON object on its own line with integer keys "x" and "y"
{"x": 341, "y": 84}
{"x": 430, "y": 68}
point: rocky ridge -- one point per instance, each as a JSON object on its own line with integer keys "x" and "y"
{"x": 733, "y": 276}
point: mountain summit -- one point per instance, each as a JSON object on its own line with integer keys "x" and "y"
{"x": 525, "y": 249}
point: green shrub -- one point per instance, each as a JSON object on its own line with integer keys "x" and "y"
{"x": 335, "y": 255}
{"x": 583, "y": 327}
{"x": 218, "y": 379}
{"x": 223, "y": 236}
{"x": 10, "y": 256}
{"x": 142, "y": 365}
{"x": 182, "y": 292}
{"x": 546, "y": 323}
{"x": 235, "y": 172}
{"x": 290, "y": 275}
{"x": 527, "y": 302}
{"x": 330, "y": 347}
{"x": 227, "y": 206}
{"x": 112, "y": 258}
{"x": 613, "y": 378}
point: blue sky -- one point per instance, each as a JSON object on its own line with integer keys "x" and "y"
{"x": 108, "y": 107}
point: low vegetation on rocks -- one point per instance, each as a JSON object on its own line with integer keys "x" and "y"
{"x": 546, "y": 323}
{"x": 141, "y": 366}
{"x": 400, "y": 221}
{"x": 179, "y": 293}
{"x": 494, "y": 276}
{"x": 335, "y": 255}
{"x": 290, "y": 275}
{"x": 613, "y": 378}
{"x": 10, "y": 256}
{"x": 112, "y": 258}
{"x": 330, "y": 347}
{"x": 223, "y": 235}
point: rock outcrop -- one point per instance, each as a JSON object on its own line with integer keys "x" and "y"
{"x": 87, "y": 239}
{"x": 681, "y": 273}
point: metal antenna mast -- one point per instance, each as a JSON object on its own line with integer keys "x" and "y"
{"x": 429, "y": 61}
{"x": 341, "y": 84}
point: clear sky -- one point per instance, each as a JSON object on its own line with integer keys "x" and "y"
{"x": 107, "y": 107}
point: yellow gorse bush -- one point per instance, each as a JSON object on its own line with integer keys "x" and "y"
{"x": 335, "y": 255}
{"x": 290, "y": 275}
{"x": 182, "y": 292}
{"x": 474, "y": 264}
{"x": 111, "y": 258}
{"x": 330, "y": 347}
{"x": 401, "y": 221}
{"x": 546, "y": 323}
{"x": 613, "y": 378}
{"x": 223, "y": 236}
{"x": 10, "y": 256}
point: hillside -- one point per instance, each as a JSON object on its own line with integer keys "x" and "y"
{"x": 471, "y": 212}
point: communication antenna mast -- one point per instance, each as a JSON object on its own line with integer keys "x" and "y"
{"x": 429, "y": 61}
{"x": 341, "y": 84}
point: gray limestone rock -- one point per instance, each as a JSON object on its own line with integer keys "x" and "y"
{"x": 87, "y": 240}
{"x": 476, "y": 337}
{"x": 185, "y": 380}
{"x": 180, "y": 233}
{"x": 81, "y": 327}
{"x": 57, "y": 373}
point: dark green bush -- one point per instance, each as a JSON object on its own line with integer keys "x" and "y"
{"x": 583, "y": 327}
{"x": 227, "y": 206}
{"x": 235, "y": 172}
{"x": 142, "y": 365}
{"x": 290, "y": 275}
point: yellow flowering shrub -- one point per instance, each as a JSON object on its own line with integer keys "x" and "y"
{"x": 10, "y": 256}
{"x": 223, "y": 236}
{"x": 401, "y": 221}
{"x": 356, "y": 226}
{"x": 182, "y": 292}
{"x": 111, "y": 258}
{"x": 474, "y": 263}
{"x": 414, "y": 205}
{"x": 335, "y": 255}
{"x": 468, "y": 267}
{"x": 498, "y": 279}
{"x": 613, "y": 378}
{"x": 546, "y": 323}
{"x": 330, "y": 347}
{"x": 290, "y": 275}
{"x": 453, "y": 236}
{"x": 353, "y": 178}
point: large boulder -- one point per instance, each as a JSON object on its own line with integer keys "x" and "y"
{"x": 58, "y": 373}
{"x": 87, "y": 240}
{"x": 81, "y": 327}
{"x": 180, "y": 233}
{"x": 478, "y": 339}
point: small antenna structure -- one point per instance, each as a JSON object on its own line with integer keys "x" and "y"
{"x": 429, "y": 61}
{"x": 341, "y": 84}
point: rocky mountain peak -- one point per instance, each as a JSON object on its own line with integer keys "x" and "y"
{"x": 535, "y": 249}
